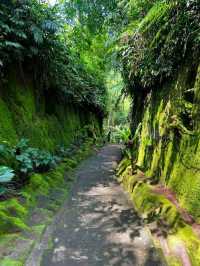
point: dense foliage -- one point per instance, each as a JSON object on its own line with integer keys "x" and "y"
{"x": 19, "y": 162}
{"x": 65, "y": 48}
{"x": 35, "y": 36}
{"x": 117, "y": 122}
{"x": 160, "y": 35}
{"x": 72, "y": 47}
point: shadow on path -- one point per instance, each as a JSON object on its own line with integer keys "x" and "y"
{"x": 97, "y": 225}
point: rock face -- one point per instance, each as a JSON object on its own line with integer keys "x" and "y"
{"x": 165, "y": 181}
{"x": 41, "y": 115}
{"x": 47, "y": 120}
{"x": 167, "y": 138}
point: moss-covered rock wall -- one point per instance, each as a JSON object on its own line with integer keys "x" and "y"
{"x": 47, "y": 120}
{"x": 39, "y": 115}
{"x": 167, "y": 142}
{"x": 161, "y": 166}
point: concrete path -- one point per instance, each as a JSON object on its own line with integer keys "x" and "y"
{"x": 97, "y": 225}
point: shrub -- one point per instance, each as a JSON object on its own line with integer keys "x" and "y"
{"x": 35, "y": 160}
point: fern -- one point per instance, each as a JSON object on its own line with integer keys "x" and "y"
{"x": 50, "y": 26}
{"x": 155, "y": 17}
{"x": 37, "y": 34}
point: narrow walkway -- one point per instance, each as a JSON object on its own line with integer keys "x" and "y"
{"x": 97, "y": 225}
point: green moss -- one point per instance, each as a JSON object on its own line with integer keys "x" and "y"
{"x": 38, "y": 184}
{"x": 10, "y": 262}
{"x": 41, "y": 184}
{"x": 24, "y": 113}
{"x": 173, "y": 261}
{"x": 157, "y": 208}
{"x": 151, "y": 205}
{"x": 185, "y": 236}
{"x": 153, "y": 171}
{"x": 28, "y": 198}
{"x": 184, "y": 178}
{"x": 145, "y": 139}
{"x": 56, "y": 177}
{"x": 123, "y": 166}
{"x": 70, "y": 162}
{"x": 13, "y": 207}
{"x": 191, "y": 242}
{"x": 10, "y": 223}
{"x": 168, "y": 151}
{"x": 7, "y": 129}
{"x": 168, "y": 163}
{"x": 12, "y": 216}
{"x": 144, "y": 200}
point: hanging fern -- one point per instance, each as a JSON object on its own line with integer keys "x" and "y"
{"x": 164, "y": 36}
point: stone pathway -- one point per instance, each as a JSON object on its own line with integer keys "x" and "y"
{"x": 97, "y": 226}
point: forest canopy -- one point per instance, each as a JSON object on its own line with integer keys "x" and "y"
{"x": 45, "y": 41}
{"x": 72, "y": 45}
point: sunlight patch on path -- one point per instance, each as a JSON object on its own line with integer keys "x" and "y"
{"x": 98, "y": 225}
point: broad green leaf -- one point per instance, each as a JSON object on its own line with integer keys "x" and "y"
{"x": 13, "y": 44}
{"x": 6, "y": 174}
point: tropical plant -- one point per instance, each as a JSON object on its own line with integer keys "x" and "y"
{"x": 25, "y": 159}
{"x": 6, "y": 176}
{"x": 35, "y": 160}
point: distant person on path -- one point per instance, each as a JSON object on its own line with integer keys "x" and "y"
{"x": 109, "y": 136}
